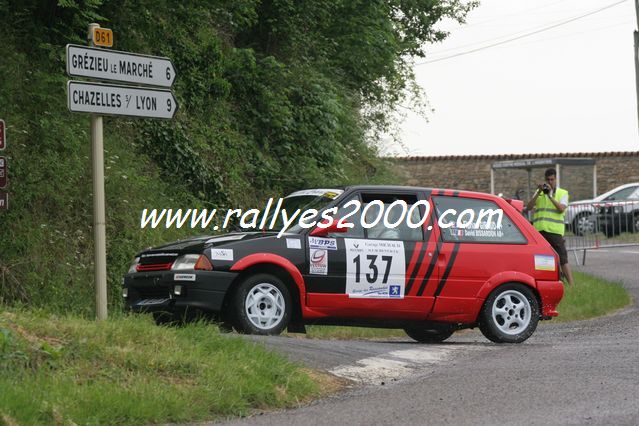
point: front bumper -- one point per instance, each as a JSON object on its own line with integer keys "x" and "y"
{"x": 154, "y": 291}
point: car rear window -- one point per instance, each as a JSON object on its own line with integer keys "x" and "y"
{"x": 473, "y": 220}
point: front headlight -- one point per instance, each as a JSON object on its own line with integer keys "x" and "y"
{"x": 187, "y": 261}
{"x": 132, "y": 268}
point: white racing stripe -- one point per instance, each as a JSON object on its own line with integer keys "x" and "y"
{"x": 396, "y": 365}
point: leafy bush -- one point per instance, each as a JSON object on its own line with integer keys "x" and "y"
{"x": 274, "y": 95}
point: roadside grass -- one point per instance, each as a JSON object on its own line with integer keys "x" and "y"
{"x": 127, "y": 370}
{"x": 591, "y": 297}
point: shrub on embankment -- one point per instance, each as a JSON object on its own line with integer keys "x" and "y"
{"x": 274, "y": 96}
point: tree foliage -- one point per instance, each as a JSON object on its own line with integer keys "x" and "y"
{"x": 274, "y": 95}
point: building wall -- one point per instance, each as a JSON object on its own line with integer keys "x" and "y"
{"x": 473, "y": 173}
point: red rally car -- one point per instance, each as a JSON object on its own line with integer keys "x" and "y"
{"x": 472, "y": 261}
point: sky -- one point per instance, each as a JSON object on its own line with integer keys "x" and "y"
{"x": 566, "y": 89}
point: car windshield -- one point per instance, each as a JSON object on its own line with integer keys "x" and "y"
{"x": 301, "y": 200}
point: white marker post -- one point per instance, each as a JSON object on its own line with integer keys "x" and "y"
{"x": 99, "y": 217}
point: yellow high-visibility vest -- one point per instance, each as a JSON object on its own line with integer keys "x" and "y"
{"x": 547, "y": 217}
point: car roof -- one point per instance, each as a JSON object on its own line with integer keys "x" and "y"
{"x": 443, "y": 191}
{"x": 613, "y": 190}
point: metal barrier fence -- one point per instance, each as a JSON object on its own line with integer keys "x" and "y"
{"x": 601, "y": 224}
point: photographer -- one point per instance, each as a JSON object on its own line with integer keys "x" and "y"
{"x": 549, "y": 204}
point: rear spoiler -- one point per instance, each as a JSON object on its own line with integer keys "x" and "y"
{"x": 517, "y": 204}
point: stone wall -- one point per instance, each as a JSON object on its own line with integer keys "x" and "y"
{"x": 472, "y": 172}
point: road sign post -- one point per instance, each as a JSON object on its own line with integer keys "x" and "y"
{"x": 100, "y": 99}
{"x": 99, "y": 216}
{"x": 4, "y": 201}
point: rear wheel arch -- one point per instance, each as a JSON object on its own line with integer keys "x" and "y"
{"x": 505, "y": 277}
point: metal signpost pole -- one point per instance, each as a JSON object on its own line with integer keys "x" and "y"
{"x": 99, "y": 220}
{"x": 147, "y": 95}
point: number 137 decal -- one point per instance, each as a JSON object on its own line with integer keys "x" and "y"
{"x": 375, "y": 268}
{"x": 372, "y": 266}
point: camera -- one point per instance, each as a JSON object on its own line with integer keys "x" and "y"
{"x": 545, "y": 188}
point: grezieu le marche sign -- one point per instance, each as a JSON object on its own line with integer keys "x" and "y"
{"x": 120, "y": 66}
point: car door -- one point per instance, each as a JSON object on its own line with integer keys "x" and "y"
{"x": 621, "y": 211}
{"x": 473, "y": 250}
{"x": 375, "y": 271}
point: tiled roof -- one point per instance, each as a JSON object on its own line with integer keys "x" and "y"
{"x": 522, "y": 156}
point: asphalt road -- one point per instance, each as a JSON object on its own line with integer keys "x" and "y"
{"x": 583, "y": 372}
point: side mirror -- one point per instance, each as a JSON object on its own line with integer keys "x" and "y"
{"x": 331, "y": 229}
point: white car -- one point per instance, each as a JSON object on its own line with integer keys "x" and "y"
{"x": 581, "y": 216}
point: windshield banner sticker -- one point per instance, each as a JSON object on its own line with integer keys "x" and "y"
{"x": 375, "y": 268}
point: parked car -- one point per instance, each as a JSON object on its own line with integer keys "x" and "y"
{"x": 586, "y": 216}
{"x": 431, "y": 280}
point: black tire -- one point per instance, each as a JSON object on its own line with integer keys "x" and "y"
{"x": 261, "y": 305}
{"x": 515, "y": 316}
{"x": 423, "y": 335}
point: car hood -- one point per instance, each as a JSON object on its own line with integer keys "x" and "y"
{"x": 197, "y": 244}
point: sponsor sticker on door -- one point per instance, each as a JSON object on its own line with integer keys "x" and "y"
{"x": 318, "y": 262}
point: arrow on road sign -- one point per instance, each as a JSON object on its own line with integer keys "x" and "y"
{"x": 114, "y": 65}
{"x": 109, "y": 99}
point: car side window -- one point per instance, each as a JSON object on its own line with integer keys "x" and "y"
{"x": 634, "y": 195}
{"x": 351, "y": 213}
{"x": 388, "y": 209}
{"x": 474, "y": 220}
{"x": 622, "y": 194}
